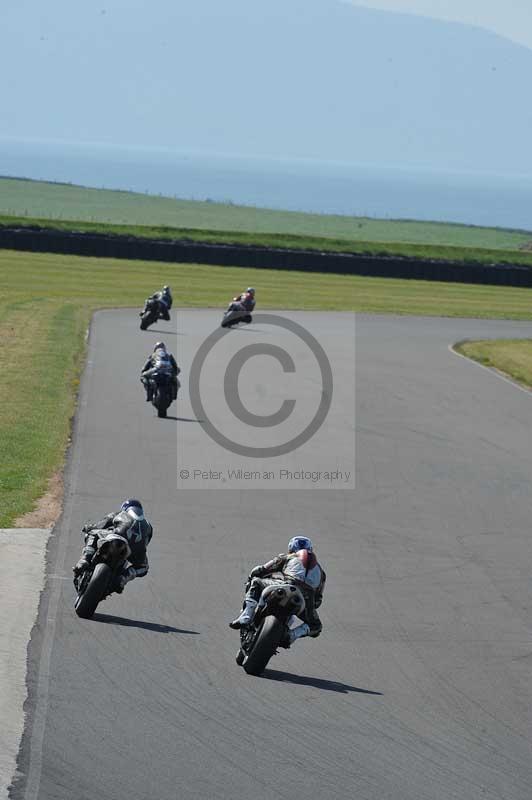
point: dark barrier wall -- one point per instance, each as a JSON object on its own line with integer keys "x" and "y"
{"x": 100, "y": 245}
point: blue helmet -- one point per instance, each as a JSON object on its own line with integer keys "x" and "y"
{"x": 133, "y": 508}
{"x": 299, "y": 543}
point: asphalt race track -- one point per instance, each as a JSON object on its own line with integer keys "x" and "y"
{"x": 420, "y": 685}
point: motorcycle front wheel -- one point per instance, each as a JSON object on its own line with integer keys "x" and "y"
{"x": 147, "y": 319}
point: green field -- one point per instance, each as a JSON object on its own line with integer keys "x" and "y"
{"x": 45, "y": 305}
{"x": 511, "y": 356}
{"x": 34, "y": 200}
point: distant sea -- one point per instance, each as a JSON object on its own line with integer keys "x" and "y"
{"x": 296, "y": 185}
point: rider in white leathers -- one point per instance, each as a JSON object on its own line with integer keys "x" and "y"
{"x": 298, "y": 566}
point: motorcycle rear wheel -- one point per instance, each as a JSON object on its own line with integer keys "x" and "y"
{"x": 87, "y": 603}
{"x": 265, "y": 646}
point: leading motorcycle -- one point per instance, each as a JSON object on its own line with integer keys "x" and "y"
{"x": 269, "y": 628}
{"x": 98, "y": 581}
{"x": 236, "y": 312}
{"x": 150, "y": 314}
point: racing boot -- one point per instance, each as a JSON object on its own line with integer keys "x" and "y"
{"x": 246, "y": 616}
{"x": 298, "y": 633}
{"x": 85, "y": 560}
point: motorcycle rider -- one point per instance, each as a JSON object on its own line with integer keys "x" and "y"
{"x": 130, "y": 523}
{"x": 298, "y": 566}
{"x": 163, "y": 360}
{"x": 167, "y": 296}
{"x": 247, "y": 299}
{"x": 165, "y": 300}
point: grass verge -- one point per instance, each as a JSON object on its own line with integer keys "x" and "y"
{"x": 45, "y": 305}
{"x": 41, "y": 343}
{"x": 511, "y": 356}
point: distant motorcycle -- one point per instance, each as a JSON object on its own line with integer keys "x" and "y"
{"x": 161, "y": 389}
{"x": 150, "y": 314}
{"x": 235, "y": 313}
{"x": 270, "y": 626}
{"x": 98, "y": 581}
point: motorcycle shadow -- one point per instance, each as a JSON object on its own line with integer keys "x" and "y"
{"x": 165, "y": 332}
{"x": 246, "y": 329}
{"x": 109, "y": 619}
{"x": 183, "y": 419}
{"x": 317, "y": 683}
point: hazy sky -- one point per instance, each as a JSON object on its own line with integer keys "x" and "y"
{"x": 510, "y": 18}
{"x": 310, "y": 79}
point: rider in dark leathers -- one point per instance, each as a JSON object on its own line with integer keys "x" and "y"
{"x": 298, "y": 566}
{"x": 165, "y": 300}
{"x": 163, "y": 360}
{"x": 167, "y": 296}
{"x": 130, "y": 523}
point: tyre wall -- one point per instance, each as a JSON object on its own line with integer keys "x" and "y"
{"x": 106, "y": 246}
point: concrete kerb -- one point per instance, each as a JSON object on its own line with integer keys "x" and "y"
{"x": 22, "y": 577}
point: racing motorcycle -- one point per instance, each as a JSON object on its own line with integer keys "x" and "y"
{"x": 270, "y": 626}
{"x": 99, "y": 579}
{"x": 161, "y": 390}
{"x": 235, "y": 313}
{"x": 150, "y": 314}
